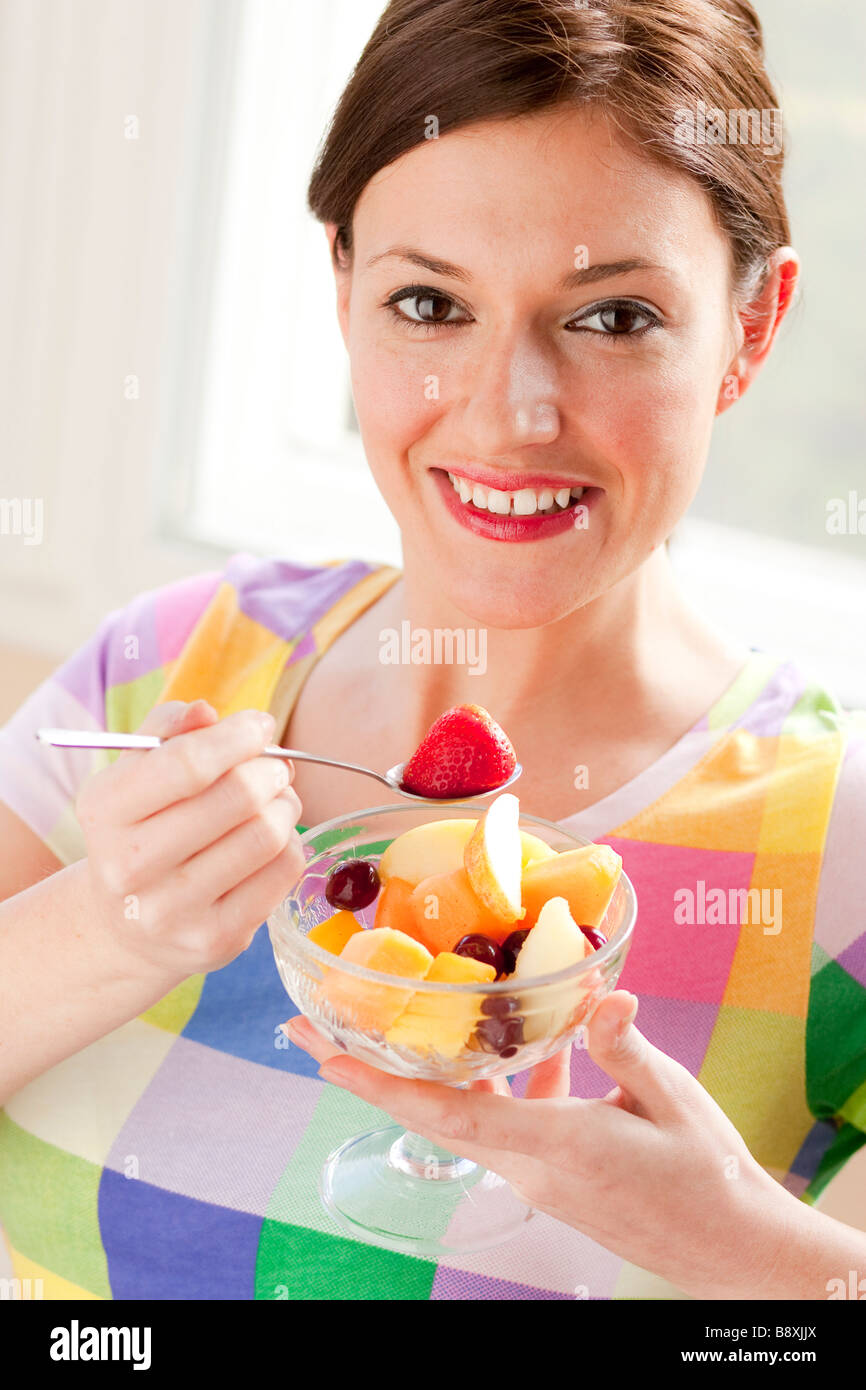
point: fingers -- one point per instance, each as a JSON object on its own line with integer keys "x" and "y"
{"x": 464, "y": 1119}
{"x": 550, "y": 1078}
{"x": 301, "y": 1032}
{"x": 258, "y": 895}
{"x": 222, "y": 865}
{"x": 186, "y": 764}
{"x": 179, "y": 832}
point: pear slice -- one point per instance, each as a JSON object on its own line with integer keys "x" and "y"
{"x": 493, "y": 859}
{"x": 554, "y": 943}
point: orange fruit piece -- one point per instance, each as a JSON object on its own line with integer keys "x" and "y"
{"x": 443, "y": 1022}
{"x": 445, "y": 908}
{"x": 585, "y": 877}
{"x": 333, "y": 933}
{"x": 365, "y": 1004}
{"x": 392, "y": 909}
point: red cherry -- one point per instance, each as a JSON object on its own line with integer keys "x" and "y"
{"x": 475, "y": 946}
{"x": 511, "y": 949}
{"x": 595, "y": 938}
{"x": 352, "y": 884}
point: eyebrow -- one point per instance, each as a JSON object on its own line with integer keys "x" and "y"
{"x": 588, "y": 276}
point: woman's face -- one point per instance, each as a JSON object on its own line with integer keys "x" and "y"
{"x": 534, "y": 307}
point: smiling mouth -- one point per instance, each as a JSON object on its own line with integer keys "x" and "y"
{"x": 520, "y": 502}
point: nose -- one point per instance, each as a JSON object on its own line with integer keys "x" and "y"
{"x": 512, "y": 399}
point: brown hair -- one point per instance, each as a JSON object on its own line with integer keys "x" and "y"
{"x": 643, "y": 62}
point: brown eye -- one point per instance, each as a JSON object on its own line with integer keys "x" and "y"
{"x": 618, "y": 319}
{"x": 427, "y": 307}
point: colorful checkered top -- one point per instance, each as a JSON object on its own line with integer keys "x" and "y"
{"x": 178, "y": 1157}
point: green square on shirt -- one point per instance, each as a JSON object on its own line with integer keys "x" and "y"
{"x": 49, "y": 1206}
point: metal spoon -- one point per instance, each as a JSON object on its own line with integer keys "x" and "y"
{"x": 83, "y": 738}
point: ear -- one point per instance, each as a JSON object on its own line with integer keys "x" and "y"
{"x": 757, "y": 326}
{"x": 342, "y": 277}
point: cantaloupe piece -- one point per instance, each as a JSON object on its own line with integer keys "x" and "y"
{"x": 438, "y": 848}
{"x": 445, "y": 908}
{"x": 585, "y": 877}
{"x": 363, "y": 1003}
{"x": 334, "y": 932}
{"x": 392, "y": 908}
{"x": 443, "y": 1022}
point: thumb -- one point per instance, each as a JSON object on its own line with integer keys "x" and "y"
{"x": 616, "y": 1046}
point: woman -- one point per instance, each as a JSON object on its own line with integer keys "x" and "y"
{"x": 547, "y": 293}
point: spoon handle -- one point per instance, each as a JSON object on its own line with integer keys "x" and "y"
{"x": 86, "y": 738}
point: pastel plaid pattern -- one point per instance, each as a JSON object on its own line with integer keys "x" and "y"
{"x": 178, "y": 1157}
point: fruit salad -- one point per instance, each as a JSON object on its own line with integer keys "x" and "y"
{"x": 464, "y": 753}
{"x": 464, "y": 902}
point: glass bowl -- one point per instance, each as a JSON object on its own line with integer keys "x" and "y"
{"x": 397, "y": 1189}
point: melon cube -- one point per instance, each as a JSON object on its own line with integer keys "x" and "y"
{"x": 585, "y": 877}
{"x": 446, "y": 908}
{"x": 363, "y": 1003}
{"x": 334, "y": 932}
{"x": 443, "y": 1022}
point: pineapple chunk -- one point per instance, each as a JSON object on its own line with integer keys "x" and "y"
{"x": 443, "y": 1023}
{"x": 362, "y": 1003}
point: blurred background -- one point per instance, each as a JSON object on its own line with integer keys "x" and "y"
{"x": 172, "y": 381}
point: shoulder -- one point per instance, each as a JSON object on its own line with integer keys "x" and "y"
{"x": 288, "y": 598}
{"x": 141, "y": 645}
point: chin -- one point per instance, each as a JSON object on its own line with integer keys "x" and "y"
{"x": 495, "y": 602}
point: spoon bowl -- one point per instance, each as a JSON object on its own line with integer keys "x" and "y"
{"x": 394, "y": 778}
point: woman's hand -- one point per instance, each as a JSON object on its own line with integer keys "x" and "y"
{"x": 192, "y": 844}
{"x": 654, "y": 1171}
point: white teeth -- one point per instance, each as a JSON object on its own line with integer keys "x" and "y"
{"x": 524, "y": 502}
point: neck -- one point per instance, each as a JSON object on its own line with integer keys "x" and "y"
{"x": 612, "y": 662}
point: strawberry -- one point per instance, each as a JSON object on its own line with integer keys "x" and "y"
{"x": 463, "y": 753}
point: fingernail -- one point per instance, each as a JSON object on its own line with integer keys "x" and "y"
{"x": 267, "y": 721}
{"x": 281, "y": 775}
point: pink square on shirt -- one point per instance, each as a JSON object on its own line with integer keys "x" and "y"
{"x": 674, "y": 959}
{"x": 178, "y": 611}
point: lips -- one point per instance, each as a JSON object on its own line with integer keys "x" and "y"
{"x": 513, "y": 528}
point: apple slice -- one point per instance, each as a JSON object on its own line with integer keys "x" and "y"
{"x": 436, "y": 847}
{"x": 493, "y": 859}
{"x": 554, "y": 943}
